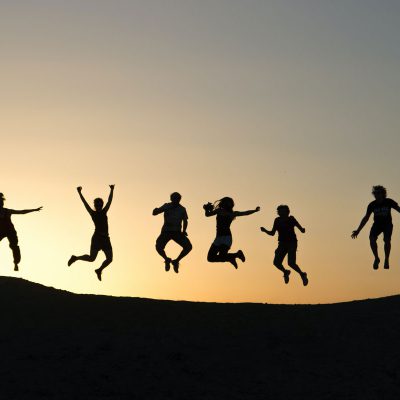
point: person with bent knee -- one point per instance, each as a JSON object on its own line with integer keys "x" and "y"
{"x": 7, "y": 229}
{"x": 381, "y": 208}
{"x": 100, "y": 239}
{"x": 285, "y": 225}
{"x": 175, "y": 229}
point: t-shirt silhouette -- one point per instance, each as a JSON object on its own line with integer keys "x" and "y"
{"x": 174, "y": 215}
{"x": 224, "y": 222}
{"x": 100, "y": 220}
{"x": 285, "y": 228}
{"x": 382, "y": 211}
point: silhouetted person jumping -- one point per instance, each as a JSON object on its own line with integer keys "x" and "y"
{"x": 287, "y": 242}
{"x": 8, "y": 231}
{"x": 219, "y": 250}
{"x": 100, "y": 239}
{"x": 174, "y": 228}
{"x": 381, "y": 208}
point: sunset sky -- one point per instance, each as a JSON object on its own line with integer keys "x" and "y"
{"x": 270, "y": 102}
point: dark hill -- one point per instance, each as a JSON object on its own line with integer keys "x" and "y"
{"x": 58, "y": 345}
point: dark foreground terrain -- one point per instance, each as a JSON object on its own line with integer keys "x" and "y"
{"x": 57, "y": 345}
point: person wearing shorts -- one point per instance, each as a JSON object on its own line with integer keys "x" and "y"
{"x": 100, "y": 239}
{"x": 219, "y": 250}
{"x": 381, "y": 207}
{"x": 175, "y": 229}
{"x": 285, "y": 225}
{"x": 7, "y": 229}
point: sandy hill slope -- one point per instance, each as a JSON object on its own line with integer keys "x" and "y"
{"x": 58, "y": 345}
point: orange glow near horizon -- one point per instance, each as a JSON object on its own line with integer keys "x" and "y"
{"x": 269, "y": 104}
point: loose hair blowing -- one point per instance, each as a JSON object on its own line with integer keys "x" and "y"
{"x": 379, "y": 189}
{"x": 226, "y": 203}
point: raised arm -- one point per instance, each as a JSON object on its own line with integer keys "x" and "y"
{"x": 244, "y": 213}
{"x": 110, "y": 198}
{"x": 85, "y": 203}
{"x": 25, "y": 211}
{"x": 362, "y": 224}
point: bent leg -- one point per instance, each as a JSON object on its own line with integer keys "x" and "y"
{"x": 108, "y": 260}
{"x": 161, "y": 242}
{"x": 292, "y": 259}
{"x": 280, "y": 254}
{"x": 184, "y": 242}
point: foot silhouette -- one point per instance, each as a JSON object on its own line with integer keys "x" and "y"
{"x": 286, "y": 275}
{"x": 386, "y": 266}
{"x": 241, "y": 256}
{"x": 167, "y": 264}
{"x": 98, "y": 273}
{"x": 175, "y": 264}
{"x": 234, "y": 263}
{"x": 71, "y": 260}
{"x": 304, "y": 279}
{"x": 376, "y": 263}
{"x": 16, "y": 268}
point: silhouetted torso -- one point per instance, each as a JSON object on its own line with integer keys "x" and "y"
{"x": 382, "y": 211}
{"x": 285, "y": 228}
{"x": 6, "y": 224}
{"x": 100, "y": 220}
{"x": 174, "y": 215}
{"x": 224, "y": 222}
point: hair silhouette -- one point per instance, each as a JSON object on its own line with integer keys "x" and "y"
{"x": 219, "y": 250}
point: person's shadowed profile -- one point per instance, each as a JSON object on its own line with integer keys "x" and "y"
{"x": 174, "y": 228}
{"x": 7, "y": 229}
{"x": 219, "y": 250}
{"x": 100, "y": 239}
{"x": 284, "y": 224}
{"x": 381, "y": 208}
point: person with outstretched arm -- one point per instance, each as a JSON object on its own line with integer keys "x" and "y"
{"x": 285, "y": 225}
{"x": 7, "y": 229}
{"x": 175, "y": 229}
{"x": 381, "y": 208}
{"x": 100, "y": 239}
{"x": 225, "y": 215}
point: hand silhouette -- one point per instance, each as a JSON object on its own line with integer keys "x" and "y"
{"x": 354, "y": 234}
{"x": 258, "y": 209}
{"x": 112, "y": 187}
{"x": 303, "y": 230}
{"x": 263, "y": 229}
{"x": 79, "y": 189}
{"x": 38, "y": 209}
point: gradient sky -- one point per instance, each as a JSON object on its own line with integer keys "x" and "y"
{"x": 269, "y": 102}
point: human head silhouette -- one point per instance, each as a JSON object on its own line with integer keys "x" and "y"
{"x": 2, "y": 199}
{"x": 283, "y": 210}
{"x": 379, "y": 192}
{"x": 98, "y": 204}
{"x": 175, "y": 198}
{"x": 226, "y": 203}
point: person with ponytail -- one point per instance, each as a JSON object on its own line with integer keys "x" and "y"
{"x": 219, "y": 250}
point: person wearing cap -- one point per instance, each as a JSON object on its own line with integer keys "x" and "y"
{"x": 7, "y": 229}
{"x": 381, "y": 207}
{"x": 174, "y": 228}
